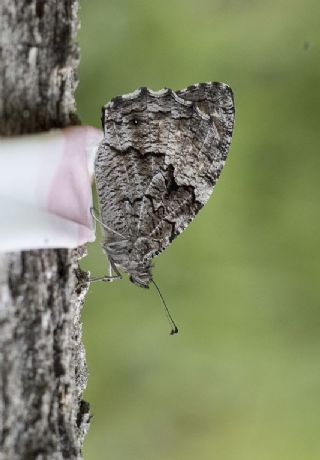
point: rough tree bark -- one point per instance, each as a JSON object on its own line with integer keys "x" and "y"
{"x": 42, "y": 365}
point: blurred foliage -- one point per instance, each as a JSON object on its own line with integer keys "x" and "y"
{"x": 241, "y": 380}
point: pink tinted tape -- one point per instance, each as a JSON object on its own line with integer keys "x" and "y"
{"x": 70, "y": 192}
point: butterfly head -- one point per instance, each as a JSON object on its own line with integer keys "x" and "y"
{"x": 140, "y": 279}
{"x": 140, "y": 262}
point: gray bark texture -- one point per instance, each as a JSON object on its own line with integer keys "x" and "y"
{"x": 42, "y": 359}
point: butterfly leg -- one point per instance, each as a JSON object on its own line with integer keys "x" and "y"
{"x": 105, "y": 278}
{"x": 110, "y": 277}
{"x": 108, "y": 229}
{"x": 93, "y": 213}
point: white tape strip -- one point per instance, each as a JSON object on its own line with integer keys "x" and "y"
{"x": 45, "y": 189}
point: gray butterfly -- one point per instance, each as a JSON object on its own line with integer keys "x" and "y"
{"x": 158, "y": 163}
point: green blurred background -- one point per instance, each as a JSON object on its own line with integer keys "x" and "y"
{"x": 242, "y": 379}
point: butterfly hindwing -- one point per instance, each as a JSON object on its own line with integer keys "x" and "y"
{"x": 159, "y": 161}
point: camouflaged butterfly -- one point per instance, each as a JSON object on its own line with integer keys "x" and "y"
{"x": 158, "y": 163}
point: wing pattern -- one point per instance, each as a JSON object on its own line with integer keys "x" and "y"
{"x": 159, "y": 161}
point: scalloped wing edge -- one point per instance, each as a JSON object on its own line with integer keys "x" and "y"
{"x": 118, "y": 100}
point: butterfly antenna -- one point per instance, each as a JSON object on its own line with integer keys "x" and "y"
{"x": 174, "y": 328}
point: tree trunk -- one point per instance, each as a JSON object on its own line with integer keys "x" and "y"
{"x": 42, "y": 365}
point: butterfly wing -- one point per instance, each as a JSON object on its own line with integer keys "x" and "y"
{"x": 161, "y": 157}
{"x": 216, "y": 100}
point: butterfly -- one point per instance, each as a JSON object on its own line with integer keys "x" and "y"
{"x": 161, "y": 156}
